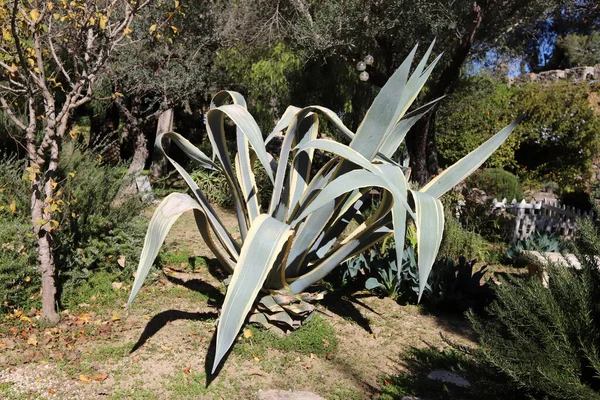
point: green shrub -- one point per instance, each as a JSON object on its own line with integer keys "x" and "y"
{"x": 460, "y": 242}
{"x": 93, "y": 234}
{"x": 19, "y": 280}
{"x": 498, "y": 183}
{"x": 557, "y": 140}
{"x": 546, "y": 338}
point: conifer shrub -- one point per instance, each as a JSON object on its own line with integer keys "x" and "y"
{"x": 496, "y": 182}
{"x": 546, "y": 339}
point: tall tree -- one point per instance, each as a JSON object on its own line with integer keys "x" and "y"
{"x": 52, "y": 54}
{"x": 327, "y": 32}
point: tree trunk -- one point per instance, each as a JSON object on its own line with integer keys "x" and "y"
{"x": 41, "y": 219}
{"x": 165, "y": 124}
{"x": 421, "y": 140}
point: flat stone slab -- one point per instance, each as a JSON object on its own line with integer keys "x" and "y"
{"x": 448, "y": 377}
{"x": 287, "y": 395}
{"x": 543, "y": 258}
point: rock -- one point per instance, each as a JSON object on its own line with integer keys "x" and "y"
{"x": 286, "y": 395}
{"x": 449, "y": 377}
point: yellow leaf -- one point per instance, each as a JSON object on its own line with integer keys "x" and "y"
{"x": 41, "y": 222}
{"x": 127, "y": 31}
{"x": 116, "y": 317}
{"x": 174, "y": 29}
{"x": 152, "y": 29}
{"x": 31, "y": 61}
{"x": 32, "y": 340}
{"x": 92, "y": 21}
{"x": 72, "y": 174}
{"x": 6, "y": 35}
{"x": 56, "y": 16}
{"x": 34, "y": 14}
{"x": 256, "y": 358}
{"x": 53, "y": 184}
{"x": 31, "y": 176}
{"x": 84, "y": 378}
{"x": 247, "y": 334}
{"x": 26, "y": 319}
{"x": 103, "y": 21}
{"x": 12, "y": 207}
{"x": 165, "y": 348}
{"x": 50, "y": 5}
{"x": 27, "y": 278}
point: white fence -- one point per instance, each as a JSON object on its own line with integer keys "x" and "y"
{"x": 541, "y": 216}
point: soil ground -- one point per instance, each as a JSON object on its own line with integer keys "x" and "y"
{"x": 157, "y": 349}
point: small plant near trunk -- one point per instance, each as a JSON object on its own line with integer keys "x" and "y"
{"x": 297, "y": 240}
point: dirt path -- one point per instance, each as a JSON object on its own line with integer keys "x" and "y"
{"x": 157, "y": 349}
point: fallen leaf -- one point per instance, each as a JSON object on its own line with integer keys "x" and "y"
{"x": 84, "y": 378}
{"x": 32, "y": 340}
{"x": 147, "y": 317}
{"x": 165, "y": 348}
{"x": 101, "y": 377}
{"x": 313, "y": 355}
{"x": 186, "y": 370}
{"x": 329, "y": 356}
{"x": 386, "y": 382}
{"x": 51, "y": 391}
{"x": 247, "y": 334}
{"x": 117, "y": 285}
{"x": 325, "y": 342}
{"x": 121, "y": 261}
{"x": 256, "y": 358}
{"x": 116, "y": 317}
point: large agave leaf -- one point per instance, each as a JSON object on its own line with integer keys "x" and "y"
{"x": 283, "y": 122}
{"x": 222, "y": 234}
{"x": 397, "y": 135}
{"x": 466, "y": 165}
{"x": 430, "y": 229}
{"x": 371, "y": 175}
{"x": 392, "y": 102}
{"x": 163, "y": 219}
{"x": 266, "y": 238}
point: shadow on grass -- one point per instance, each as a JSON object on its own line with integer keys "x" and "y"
{"x": 485, "y": 381}
{"x": 161, "y": 319}
{"x": 215, "y": 297}
{"x": 343, "y": 302}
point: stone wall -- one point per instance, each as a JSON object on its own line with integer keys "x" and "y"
{"x": 579, "y": 74}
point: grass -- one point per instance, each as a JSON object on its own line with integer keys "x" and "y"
{"x": 97, "y": 291}
{"x": 316, "y": 337}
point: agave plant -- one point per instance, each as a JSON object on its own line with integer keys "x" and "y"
{"x": 298, "y": 240}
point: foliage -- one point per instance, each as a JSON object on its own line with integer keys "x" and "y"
{"x": 557, "y": 139}
{"x": 497, "y": 182}
{"x": 457, "y": 286}
{"x": 419, "y": 363}
{"x": 265, "y": 78}
{"x": 546, "y": 338}
{"x": 460, "y": 242}
{"x": 580, "y": 50}
{"x": 560, "y": 133}
{"x": 379, "y": 271}
{"x": 297, "y": 241}
{"x": 478, "y": 107}
{"x": 538, "y": 241}
{"x": 19, "y": 280}
{"x": 86, "y": 241}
